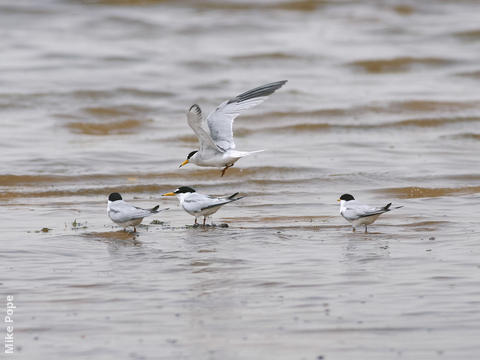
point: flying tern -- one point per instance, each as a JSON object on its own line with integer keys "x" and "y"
{"x": 217, "y": 147}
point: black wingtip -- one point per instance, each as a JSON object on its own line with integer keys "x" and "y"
{"x": 387, "y": 207}
{"x": 196, "y": 109}
{"x": 232, "y": 196}
{"x": 154, "y": 209}
{"x": 263, "y": 90}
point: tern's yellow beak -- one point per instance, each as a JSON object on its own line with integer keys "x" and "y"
{"x": 169, "y": 194}
{"x": 184, "y": 163}
{"x": 338, "y": 200}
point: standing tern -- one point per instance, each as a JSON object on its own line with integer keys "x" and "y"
{"x": 124, "y": 214}
{"x": 197, "y": 204}
{"x": 360, "y": 214}
{"x": 217, "y": 148}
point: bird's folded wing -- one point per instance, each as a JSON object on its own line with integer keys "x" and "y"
{"x": 362, "y": 211}
{"x": 197, "y": 202}
{"x": 123, "y": 212}
{"x": 218, "y": 203}
{"x": 220, "y": 121}
{"x": 195, "y": 120}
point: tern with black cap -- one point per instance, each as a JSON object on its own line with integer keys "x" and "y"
{"x": 217, "y": 148}
{"x": 197, "y": 204}
{"x": 360, "y": 214}
{"x": 125, "y": 214}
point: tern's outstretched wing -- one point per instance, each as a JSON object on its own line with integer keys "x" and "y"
{"x": 220, "y": 121}
{"x": 122, "y": 211}
{"x": 195, "y": 119}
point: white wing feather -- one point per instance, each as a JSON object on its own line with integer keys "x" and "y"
{"x": 195, "y": 120}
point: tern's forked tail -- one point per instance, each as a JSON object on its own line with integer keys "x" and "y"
{"x": 256, "y": 151}
{"x": 155, "y": 210}
{"x": 240, "y": 154}
{"x": 233, "y": 198}
{"x": 389, "y": 208}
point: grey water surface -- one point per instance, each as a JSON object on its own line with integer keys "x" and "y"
{"x": 382, "y": 102}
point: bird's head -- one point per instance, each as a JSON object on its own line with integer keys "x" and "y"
{"x": 182, "y": 190}
{"x": 345, "y": 197}
{"x": 114, "y": 197}
{"x": 189, "y": 156}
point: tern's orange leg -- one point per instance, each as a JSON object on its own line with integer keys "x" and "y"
{"x": 225, "y": 169}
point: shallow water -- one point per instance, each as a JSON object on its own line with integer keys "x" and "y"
{"x": 382, "y": 102}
